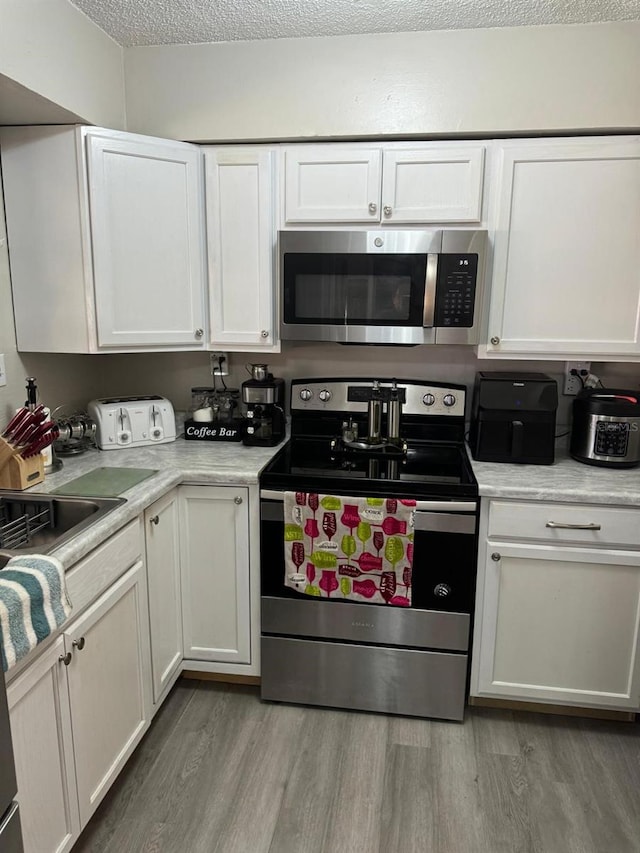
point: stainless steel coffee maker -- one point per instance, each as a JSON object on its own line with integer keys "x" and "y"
{"x": 263, "y": 398}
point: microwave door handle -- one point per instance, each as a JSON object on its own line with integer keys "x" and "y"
{"x": 430, "y": 279}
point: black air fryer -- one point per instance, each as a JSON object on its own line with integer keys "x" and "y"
{"x": 513, "y": 418}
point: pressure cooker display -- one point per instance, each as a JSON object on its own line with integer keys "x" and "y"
{"x": 612, "y": 438}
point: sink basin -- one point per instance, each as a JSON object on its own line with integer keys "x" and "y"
{"x": 32, "y": 523}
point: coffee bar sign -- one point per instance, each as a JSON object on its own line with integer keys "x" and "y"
{"x": 199, "y": 431}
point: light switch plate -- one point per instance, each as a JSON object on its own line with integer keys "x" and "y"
{"x": 3, "y": 375}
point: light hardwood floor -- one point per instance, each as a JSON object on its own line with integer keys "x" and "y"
{"x": 221, "y": 772}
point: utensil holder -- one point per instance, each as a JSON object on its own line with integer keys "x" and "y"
{"x": 18, "y": 473}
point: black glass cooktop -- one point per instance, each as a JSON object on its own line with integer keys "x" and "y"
{"x": 428, "y": 469}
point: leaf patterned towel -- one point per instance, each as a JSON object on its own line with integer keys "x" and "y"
{"x": 347, "y": 547}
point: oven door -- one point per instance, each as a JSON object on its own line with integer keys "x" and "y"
{"x": 358, "y": 287}
{"x": 371, "y": 657}
{"x": 443, "y": 585}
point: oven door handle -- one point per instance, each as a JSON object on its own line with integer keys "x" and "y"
{"x": 444, "y": 522}
{"x": 421, "y": 506}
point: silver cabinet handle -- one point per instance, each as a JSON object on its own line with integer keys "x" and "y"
{"x": 199, "y": 333}
{"x": 563, "y": 526}
{"x": 373, "y": 207}
{"x": 154, "y": 520}
{"x": 79, "y": 644}
{"x": 237, "y": 500}
{"x": 495, "y": 340}
{"x": 388, "y": 210}
{"x": 496, "y": 557}
{"x": 264, "y": 333}
{"x": 66, "y": 659}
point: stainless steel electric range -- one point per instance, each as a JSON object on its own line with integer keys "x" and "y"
{"x": 385, "y": 441}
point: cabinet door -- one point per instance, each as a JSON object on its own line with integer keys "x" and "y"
{"x": 566, "y": 268}
{"x": 241, "y": 247}
{"x": 109, "y": 685}
{"x": 43, "y": 747}
{"x": 148, "y": 241}
{"x": 559, "y": 625}
{"x": 163, "y": 581}
{"x": 215, "y": 573}
{"x": 332, "y": 184}
{"x": 432, "y": 184}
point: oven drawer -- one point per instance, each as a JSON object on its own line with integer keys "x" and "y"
{"x": 562, "y": 522}
{"x": 365, "y": 678}
{"x": 370, "y": 623}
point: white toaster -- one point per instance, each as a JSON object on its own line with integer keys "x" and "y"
{"x": 132, "y": 421}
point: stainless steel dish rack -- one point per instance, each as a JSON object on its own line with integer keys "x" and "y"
{"x": 18, "y": 530}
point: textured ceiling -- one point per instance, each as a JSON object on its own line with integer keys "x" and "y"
{"x": 144, "y": 22}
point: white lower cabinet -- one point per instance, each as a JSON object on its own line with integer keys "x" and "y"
{"x": 214, "y": 546}
{"x": 161, "y": 522}
{"x": 109, "y": 685}
{"x": 557, "y": 623}
{"x": 43, "y": 747}
{"x": 78, "y": 712}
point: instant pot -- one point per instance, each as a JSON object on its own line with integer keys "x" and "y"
{"x": 606, "y": 427}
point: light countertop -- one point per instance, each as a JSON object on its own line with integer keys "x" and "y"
{"x": 180, "y": 461}
{"x": 565, "y": 480}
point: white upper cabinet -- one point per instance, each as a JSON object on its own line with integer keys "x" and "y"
{"x": 566, "y": 261}
{"x": 241, "y": 237}
{"x": 147, "y": 239}
{"x": 430, "y": 184}
{"x": 392, "y": 184}
{"x": 329, "y": 183}
{"x": 106, "y": 240}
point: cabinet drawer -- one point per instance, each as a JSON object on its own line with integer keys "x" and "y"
{"x": 92, "y": 576}
{"x": 602, "y": 525}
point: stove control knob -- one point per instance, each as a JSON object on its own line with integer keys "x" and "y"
{"x": 428, "y": 399}
{"x": 449, "y": 400}
{"x": 325, "y": 395}
{"x": 442, "y": 590}
{"x": 306, "y": 394}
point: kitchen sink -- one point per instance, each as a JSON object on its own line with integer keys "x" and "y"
{"x": 33, "y": 523}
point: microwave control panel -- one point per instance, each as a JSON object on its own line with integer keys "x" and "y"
{"x": 456, "y": 290}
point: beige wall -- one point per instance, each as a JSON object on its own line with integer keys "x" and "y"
{"x": 491, "y": 81}
{"x": 527, "y": 79}
{"x": 52, "y": 49}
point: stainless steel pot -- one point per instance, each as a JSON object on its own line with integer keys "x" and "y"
{"x": 259, "y": 372}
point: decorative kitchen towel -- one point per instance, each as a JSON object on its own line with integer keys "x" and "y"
{"x": 33, "y": 603}
{"x": 347, "y": 547}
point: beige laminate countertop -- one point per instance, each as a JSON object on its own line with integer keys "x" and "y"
{"x": 565, "y": 480}
{"x": 199, "y": 462}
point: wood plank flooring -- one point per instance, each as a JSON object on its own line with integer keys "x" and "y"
{"x": 221, "y": 772}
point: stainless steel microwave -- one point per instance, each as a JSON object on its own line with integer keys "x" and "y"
{"x": 382, "y": 286}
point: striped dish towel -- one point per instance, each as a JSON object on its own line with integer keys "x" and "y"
{"x": 33, "y": 603}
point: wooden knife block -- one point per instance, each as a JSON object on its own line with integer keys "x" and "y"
{"x": 18, "y": 473}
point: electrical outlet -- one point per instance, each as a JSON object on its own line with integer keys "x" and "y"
{"x": 572, "y": 384}
{"x": 3, "y": 375}
{"x": 219, "y": 364}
